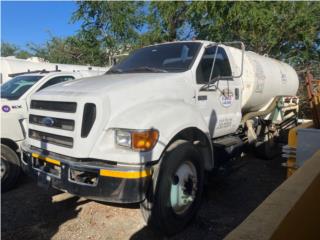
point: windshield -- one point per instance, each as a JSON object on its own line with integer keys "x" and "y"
{"x": 16, "y": 87}
{"x": 170, "y": 57}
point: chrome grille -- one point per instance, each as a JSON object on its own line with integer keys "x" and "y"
{"x": 51, "y": 138}
{"x": 60, "y": 123}
{"x": 65, "y": 124}
{"x": 69, "y": 107}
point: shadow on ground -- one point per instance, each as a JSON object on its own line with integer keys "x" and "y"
{"x": 34, "y": 214}
{"x": 230, "y": 196}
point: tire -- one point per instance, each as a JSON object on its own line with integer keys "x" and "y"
{"x": 181, "y": 171}
{"x": 10, "y": 168}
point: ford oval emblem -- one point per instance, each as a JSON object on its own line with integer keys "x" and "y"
{"x": 47, "y": 121}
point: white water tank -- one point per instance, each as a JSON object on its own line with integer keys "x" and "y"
{"x": 263, "y": 78}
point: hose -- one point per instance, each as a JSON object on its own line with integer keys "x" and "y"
{"x": 269, "y": 109}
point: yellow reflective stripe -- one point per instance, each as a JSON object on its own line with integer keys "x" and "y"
{"x": 120, "y": 174}
{"x": 103, "y": 172}
{"x": 47, "y": 159}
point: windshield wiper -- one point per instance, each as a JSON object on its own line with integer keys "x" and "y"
{"x": 145, "y": 68}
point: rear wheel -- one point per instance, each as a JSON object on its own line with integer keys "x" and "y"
{"x": 10, "y": 168}
{"x": 175, "y": 195}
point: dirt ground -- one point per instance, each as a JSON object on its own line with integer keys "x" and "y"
{"x": 30, "y": 212}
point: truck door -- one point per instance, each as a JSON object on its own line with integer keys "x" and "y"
{"x": 220, "y": 101}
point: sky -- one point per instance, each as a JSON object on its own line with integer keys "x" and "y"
{"x": 33, "y": 22}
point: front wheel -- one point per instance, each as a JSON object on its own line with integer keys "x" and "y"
{"x": 10, "y": 168}
{"x": 177, "y": 187}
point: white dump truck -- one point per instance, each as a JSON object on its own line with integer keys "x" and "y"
{"x": 15, "y": 98}
{"x": 149, "y": 129}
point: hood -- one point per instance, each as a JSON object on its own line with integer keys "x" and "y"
{"x": 111, "y": 82}
{"x": 123, "y": 89}
{"x": 114, "y": 94}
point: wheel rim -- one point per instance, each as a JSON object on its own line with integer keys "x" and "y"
{"x": 3, "y": 168}
{"x": 183, "y": 187}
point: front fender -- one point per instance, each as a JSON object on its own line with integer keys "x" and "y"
{"x": 168, "y": 117}
{"x": 11, "y": 128}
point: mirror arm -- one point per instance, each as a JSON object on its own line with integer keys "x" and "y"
{"x": 213, "y": 63}
{"x": 207, "y": 85}
{"x": 243, "y": 48}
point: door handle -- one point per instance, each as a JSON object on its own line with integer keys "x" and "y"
{"x": 236, "y": 93}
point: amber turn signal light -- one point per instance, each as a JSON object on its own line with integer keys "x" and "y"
{"x": 144, "y": 140}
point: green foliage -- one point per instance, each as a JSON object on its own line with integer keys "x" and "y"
{"x": 115, "y": 25}
{"x": 82, "y": 48}
{"x": 166, "y": 21}
{"x": 8, "y": 49}
{"x": 23, "y": 54}
{"x": 285, "y": 30}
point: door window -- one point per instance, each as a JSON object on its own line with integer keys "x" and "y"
{"x": 56, "y": 80}
{"x": 221, "y": 66}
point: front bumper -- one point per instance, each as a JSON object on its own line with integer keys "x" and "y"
{"x": 89, "y": 178}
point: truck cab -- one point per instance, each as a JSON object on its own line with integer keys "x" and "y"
{"x": 15, "y": 99}
{"x": 146, "y": 131}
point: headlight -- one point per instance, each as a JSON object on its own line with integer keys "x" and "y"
{"x": 140, "y": 140}
{"x": 123, "y": 138}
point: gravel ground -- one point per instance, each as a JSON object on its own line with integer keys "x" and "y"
{"x": 231, "y": 194}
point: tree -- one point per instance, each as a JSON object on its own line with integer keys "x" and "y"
{"x": 8, "y": 49}
{"x": 115, "y": 25}
{"x": 288, "y": 31}
{"x": 166, "y": 21}
{"x": 284, "y": 30}
{"x": 82, "y": 48}
{"x": 23, "y": 54}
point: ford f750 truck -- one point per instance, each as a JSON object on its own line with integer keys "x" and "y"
{"x": 149, "y": 129}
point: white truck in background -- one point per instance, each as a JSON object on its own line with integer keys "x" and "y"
{"x": 149, "y": 129}
{"x": 11, "y": 66}
{"x": 15, "y": 98}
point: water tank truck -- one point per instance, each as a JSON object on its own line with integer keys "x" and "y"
{"x": 149, "y": 129}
